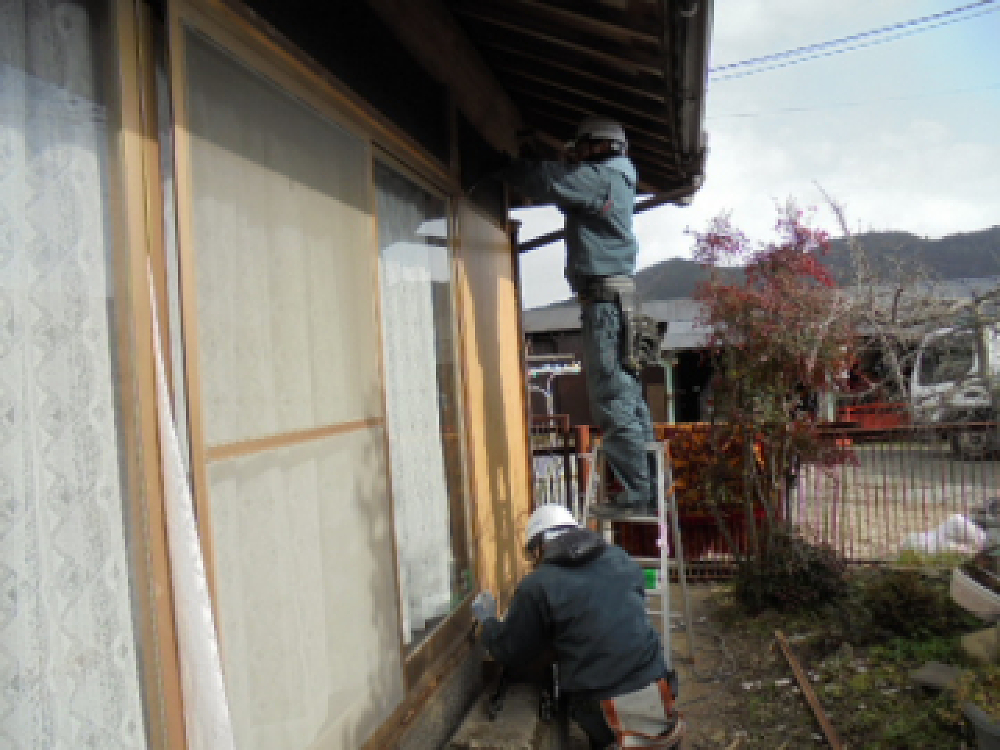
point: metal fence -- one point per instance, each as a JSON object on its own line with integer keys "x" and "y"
{"x": 893, "y": 489}
{"x": 556, "y": 461}
{"x": 900, "y": 489}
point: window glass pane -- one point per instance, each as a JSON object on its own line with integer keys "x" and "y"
{"x": 306, "y": 596}
{"x": 283, "y": 255}
{"x": 423, "y": 406}
{"x": 286, "y": 265}
{"x": 67, "y": 644}
{"x": 948, "y": 359}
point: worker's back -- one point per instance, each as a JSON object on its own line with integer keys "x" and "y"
{"x": 585, "y": 601}
{"x": 597, "y": 198}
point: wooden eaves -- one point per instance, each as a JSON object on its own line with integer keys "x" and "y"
{"x": 543, "y": 65}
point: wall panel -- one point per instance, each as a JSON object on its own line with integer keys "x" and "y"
{"x": 496, "y": 407}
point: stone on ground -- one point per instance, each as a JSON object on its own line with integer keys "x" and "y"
{"x": 981, "y": 645}
{"x": 936, "y": 675}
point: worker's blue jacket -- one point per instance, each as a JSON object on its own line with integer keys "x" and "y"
{"x": 597, "y": 200}
{"x": 585, "y": 601}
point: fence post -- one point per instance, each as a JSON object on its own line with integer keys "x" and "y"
{"x": 583, "y": 447}
{"x": 564, "y": 436}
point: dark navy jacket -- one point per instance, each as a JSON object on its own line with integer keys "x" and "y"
{"x": 597, "y": 199}
{"x": 586, "y": 601}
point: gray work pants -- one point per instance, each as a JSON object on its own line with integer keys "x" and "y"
{"x": 616, "y": 402}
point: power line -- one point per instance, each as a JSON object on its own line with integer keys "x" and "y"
{"x": 865, "y": 39}
{"x": 852, "y": 37}
{"x": 840, "y": 105}
{"x": 831, "y": 53}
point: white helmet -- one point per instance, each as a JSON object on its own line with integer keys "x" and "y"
{"x": 546, "y": 518}
{"x": 601, "y": 129}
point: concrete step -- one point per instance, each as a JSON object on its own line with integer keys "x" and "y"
{"x": 517, "y": 726}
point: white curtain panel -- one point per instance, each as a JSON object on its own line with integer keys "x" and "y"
{"x": 419, "y": 487}
{"x": 206, "y": 710}
{"x": 68, "y": 674}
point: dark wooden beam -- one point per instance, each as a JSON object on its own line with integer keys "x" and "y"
{"x": 651, "y": 161}
{"x": 578, "y": 112}
{"x": 663, "y": 162}
{"x": 430, "y": 32}
{"x": 647, "y": 16}
{"x": 569, "y": 16}
{"x": 662, "y": 174}
{"x": 655, "y": 113}
{"x": 631, "y": 65}
{"x": 658, "y": 163}
{"x": 516, "y": 61}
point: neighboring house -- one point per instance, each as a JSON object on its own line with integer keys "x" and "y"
{"x": 674, "y": 393}
{"x": 680, "y": 391}
{"x": 335, "y": 299}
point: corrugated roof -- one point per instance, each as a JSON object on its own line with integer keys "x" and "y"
{"x": 562, "y": 316}
{"x": 685, "y": 334}
{"x": 682, "y": 317}
{"x": 565, "y": 316}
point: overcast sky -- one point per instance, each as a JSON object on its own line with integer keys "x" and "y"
{"x": 905, "y": 134}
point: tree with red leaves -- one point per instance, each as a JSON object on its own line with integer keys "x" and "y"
{"x": 778, "y": 339}
{"x": 783, "y": 332}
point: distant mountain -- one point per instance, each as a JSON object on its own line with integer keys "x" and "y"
{"x": 956, "y": 256}
{"x": 676, "y": 279}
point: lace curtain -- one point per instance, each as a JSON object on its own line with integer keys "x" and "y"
{"x": 413, "y": 257}
{"x": 206, "y": 710}
{"x": 67, "y": 647}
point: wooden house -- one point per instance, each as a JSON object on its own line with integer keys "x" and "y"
{"x": 286, "y": 204}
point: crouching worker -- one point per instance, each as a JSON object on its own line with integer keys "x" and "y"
{"x": 585, "y": 602}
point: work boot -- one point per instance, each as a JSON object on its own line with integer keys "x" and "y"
{"x": 673, "y": 734}
{"x": 622, "y": 503}
{"x": 619, "y": 500}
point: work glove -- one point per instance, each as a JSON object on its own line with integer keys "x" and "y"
{"x": 484, "y": 606}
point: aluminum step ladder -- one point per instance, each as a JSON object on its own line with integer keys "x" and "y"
{"x": 594, "y": 508}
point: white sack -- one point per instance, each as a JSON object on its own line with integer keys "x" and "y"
{"x": 956, "y": 534}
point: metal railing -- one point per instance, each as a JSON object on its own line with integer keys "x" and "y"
{"x": 897, "y": 488}
{"x": 892, "y": 489}
{"x": 555, "y": 461}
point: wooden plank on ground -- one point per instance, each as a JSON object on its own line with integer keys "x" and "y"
{"x": 824, "y": 721}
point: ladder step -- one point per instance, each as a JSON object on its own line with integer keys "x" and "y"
{"x": 676, "y": 619}
{"x": 654, "y": 562}
{"x": 610, "y": 513}
{"x": 595, "y": 507}
{"x": 651, "y": 608}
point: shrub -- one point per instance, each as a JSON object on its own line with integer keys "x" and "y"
{"x": 789, "y": 573}
{"x": 908, "y": 603}
{"x": 883, "y": 604}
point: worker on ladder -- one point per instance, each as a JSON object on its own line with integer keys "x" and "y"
{"x": 595, "y": 188}
{"x": 584, "y": 601}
